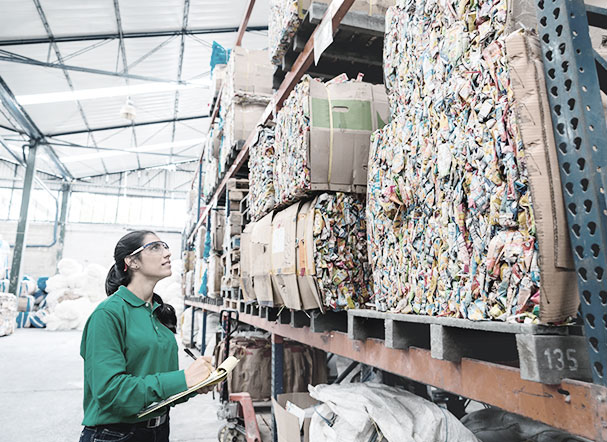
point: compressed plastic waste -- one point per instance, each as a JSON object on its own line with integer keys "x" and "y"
{"x": 261, "y": 174}
{"x": 452, "y": 228}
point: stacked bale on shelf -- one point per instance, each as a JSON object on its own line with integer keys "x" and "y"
{"x": 303, "y": 365}
{"x": 247, "y": 91}
{"x": 287, "y": 15}
{"x": 261, "y": 174}
{"x": 322, "y": 137}
{"x": 215, "y": 267}
{"x": 311, "y": 255}
{"x": 465, "y": 212}
{"x": 237, "y": 190}
{"x": 210, "y": 160}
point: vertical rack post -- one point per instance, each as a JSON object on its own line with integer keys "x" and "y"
{"x": 580, "y": 132}
{"x": 203, "y": 344}
{"x": 277, "y": 375}
{"x": 22, "y": 226}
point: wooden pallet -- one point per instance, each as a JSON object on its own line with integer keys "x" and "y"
{"x": 238, "y": 184}
{"x": 545, "y": 354}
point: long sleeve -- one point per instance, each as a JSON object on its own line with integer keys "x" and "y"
{"x": 105, "y": 368}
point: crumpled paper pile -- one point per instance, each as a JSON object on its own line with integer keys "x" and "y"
{"x": 261, "y": 174}
{"x": 451, "y": 223}
{"x": 282, "y": 26}
{"x": 340, "y": 250}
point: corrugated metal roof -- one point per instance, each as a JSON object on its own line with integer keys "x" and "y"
{"x": 86, "y": 35}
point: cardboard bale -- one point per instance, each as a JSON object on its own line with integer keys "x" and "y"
{"x": 249, "y": 75}
{"x": 217, "y": 228}
{"x": 322, "y": 137}
{"x": 253, "y": 374}
{"x": 239, "y": 121}
{"x": 214, "y": 274}
{"x": 559, "y": 298}
{"x": 287, "y": 424}
{"x": 284, "y": 279}
{"x": 292, "y": 287}
{"x": 305, "y": 270}
{"x": 246, "y": 259}
{"x": 261, "y": 249}
{"x": 217, "y": 78}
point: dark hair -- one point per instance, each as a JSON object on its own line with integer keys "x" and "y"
{"x": 118, "y": 276}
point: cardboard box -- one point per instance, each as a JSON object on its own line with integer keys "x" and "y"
{"x": 559, "y": 295}
{"x": 297, "y": 290}
{"x": 335, "y": 145}
{"x": 358, "y": 110}
{"x": 240, "y": 120}
{"x": 287, "y": 424}
{"x": 246, "y": 256}
{"x": 261, "y": 250}
{"x": 252, "y": 71}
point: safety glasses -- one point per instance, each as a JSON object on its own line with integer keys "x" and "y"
{"x": 155, "y": 247}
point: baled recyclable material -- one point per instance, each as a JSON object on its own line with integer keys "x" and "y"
{"x": 322, "y": 137}
{"x": 319, "y": 253}
{"x": 246, "y": 262}
{"x": 261, "y": 174}
{"x": 218, "y": 76}
{"x": 218, "y": 221}
{"x": 261, "y": 265}
{"x": 240, "y": 120}
{"x": 452, "y": 214}
{"x": 248, "y": 77}
{"x": 287, "y": 15}
{"x": 214, "y": 274}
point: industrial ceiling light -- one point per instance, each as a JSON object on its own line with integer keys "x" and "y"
{"x": 128, "y": 110}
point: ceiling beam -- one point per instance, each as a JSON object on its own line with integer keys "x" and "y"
{"x": 66, "y": 74}
{"x": 125, "y": 67}
{"x": 184, "y": 25}
{"x": 15, "y": 58}
{"x": 89, "y": 37}
{"x": 123, "y": 126}
{"x": 28, "y": 126}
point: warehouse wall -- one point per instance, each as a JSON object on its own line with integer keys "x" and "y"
{"x": 87, "y": 243}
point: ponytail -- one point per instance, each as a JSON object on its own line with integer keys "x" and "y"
{"x": 115, "y": 278}
{"x": 120, "y": 274}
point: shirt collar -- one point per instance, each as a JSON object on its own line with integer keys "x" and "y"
{"x": 129, "y": 297}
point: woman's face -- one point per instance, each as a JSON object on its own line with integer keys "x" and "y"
{"x": 155, "y": 259}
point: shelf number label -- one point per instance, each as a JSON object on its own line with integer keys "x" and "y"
{"x": 561, "y": 360}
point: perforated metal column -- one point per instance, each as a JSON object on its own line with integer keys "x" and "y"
{"x": 581, "y": 138}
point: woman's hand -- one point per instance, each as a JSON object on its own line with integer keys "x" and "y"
{"x": 200, "y": 369}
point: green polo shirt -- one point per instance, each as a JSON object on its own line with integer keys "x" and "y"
{"x": 130, "y": 360}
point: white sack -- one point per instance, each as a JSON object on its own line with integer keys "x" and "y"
{"x": 400, "y": 415}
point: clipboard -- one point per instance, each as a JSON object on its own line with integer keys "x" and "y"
{"x": 217, "y": 376}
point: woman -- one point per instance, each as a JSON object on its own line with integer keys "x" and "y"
{"x": 130, "y": 355}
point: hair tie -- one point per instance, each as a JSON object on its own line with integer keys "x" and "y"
{"x": 125, "y": 267}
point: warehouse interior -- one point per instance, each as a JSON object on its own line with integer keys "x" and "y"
{"x": 303, "y": 220}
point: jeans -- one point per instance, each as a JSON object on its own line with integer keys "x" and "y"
{"x": 124, "y": 433}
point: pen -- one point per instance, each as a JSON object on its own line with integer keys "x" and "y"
{"x": 189, "y": 352}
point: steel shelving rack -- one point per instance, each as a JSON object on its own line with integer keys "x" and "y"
{"x": 575, "y": 75}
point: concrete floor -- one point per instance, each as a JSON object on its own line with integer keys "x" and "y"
{"x": 41, "y": 392}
